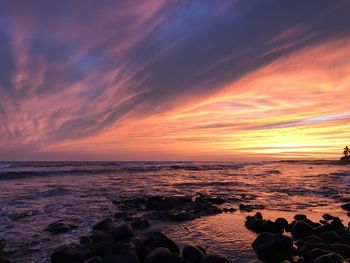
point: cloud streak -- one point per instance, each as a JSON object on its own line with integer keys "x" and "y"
{"x": 91, "y": 71}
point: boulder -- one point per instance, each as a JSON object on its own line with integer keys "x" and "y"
{"x": 95, "y": 259}
{"x": 140, "y": 223}
{"x": 273, "y": 247}
{"x": 328, "y": 217}
{"x": 271, "y": 227}
{"x": 215, "y": 258}
{"x": 329, "y": 258}
{"x": 123, "y": 257}
{"x": 300, "y": 217}
{"x": 106, "y": 224}
{"x": 301, "y": 230}
{"x": 346, "y": 206}
{"x": 65, "y": 254}
{"x": 181, "y": 216}
{"x": 330, "y": 237}
{"x": 158, "y": 255}
{"x": 193, "y": 254}
{"x": 282, "y": 221}
{"x": 59, "y": 227}
{"x": 122, "y": 232}
{"x": 153, "y": 240}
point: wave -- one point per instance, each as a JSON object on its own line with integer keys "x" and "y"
{"x": 4, "y": 165}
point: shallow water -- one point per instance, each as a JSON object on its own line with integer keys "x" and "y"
{"x": 33, "y": 195}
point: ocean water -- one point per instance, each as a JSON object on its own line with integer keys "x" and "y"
{"x": 35, "y": 194}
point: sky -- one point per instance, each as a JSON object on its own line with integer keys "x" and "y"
{"x": 209, "y": 80}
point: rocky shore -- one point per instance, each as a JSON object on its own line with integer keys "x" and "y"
{"x": 128, "y": 237}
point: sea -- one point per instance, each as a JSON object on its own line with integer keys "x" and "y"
{"x": 35, "y": 194}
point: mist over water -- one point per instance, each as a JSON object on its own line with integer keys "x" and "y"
{"x": 35, "y": 194}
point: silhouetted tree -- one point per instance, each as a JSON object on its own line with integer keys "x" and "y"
{"x": 346, "y": 151}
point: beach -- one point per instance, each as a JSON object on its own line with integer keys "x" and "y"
{"x": 80, "y": 194}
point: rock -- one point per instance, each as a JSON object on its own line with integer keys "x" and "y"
{"x": 327, "y": 217}
{"x": 258, "y": 216}
{"x": 271, "y": 227}
{"x": 96, "y": 259}
{"x": 225, "y": 210}
{"x": 121, "y": 215}
{"x": 273, "y": 247}
{"x": 158, "y": 255}
{"x": 231, "y": 210}
{"x": 193, "y": 254}
{"x": 181, "y": 216}
{"x": 300, "y": 217}
{"x": 59, "y": 227}
{"x": 313, "y": 239}
{"x": 246, "y": 208}
{"x": 106, "y": 224}
{"x": 84, "y": 240}
{"x": 123, "y": 257}
{"x": 122, "y": 232}
{"x": 337, "y": 223}
{"x": 330, "y": 237}
{"x": 282, "y": 221}
{"x": 153, "y": 240}
{"x": 118, "y": 248}
{"x": 329, "y": 258}
{"x": 346, "y": 207}
{"x": 140, "y": 223}
{"x": 345, "y": 239}
{"x": 342, "y": 249}
{"x": 301, "y": 230}
{"x": 65, "y": 254}
{"x": 100, "y": 236}
{"x": 348, "y": 213}
{"x": 215, "y": 258}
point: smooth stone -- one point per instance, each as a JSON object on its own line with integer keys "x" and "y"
{"x": 337, "y": 223}
{"x": 123, "y": 257}
{"x": 282, "y": 221}
{"x": 96, "y": 259}
{"x": 122, "y": 232}
{"x": 313, "y": 239}
{"x": 140, "y": 223}
{"x": 271, "y": 227}
{"x": 231, "y": 210}
{"x": 106, "y": 224}
{"x": 193, "y": 254}
{"x": 158, "y": 255}
{"x": 300, "y": 217}
{"x": 330, "y": 237}
{"x": 59, "y": 227}
{"x": 153, "y": 240}
{"x": 329, "y": 258}
{"x": 118, "y": 248}
{"x": 215, "y": 258}
{"x": 301, "y": 230}
{"x": 246, "y": 208}
{"x": 273, "y": 247}
{"x": 343, "y": 250}
{"x": 327, "y": 217}
{"x": 65, "y": 254}
{"x": 100, "y": 236}
{"x": 84, "y": 240}
{"x": 345, "y": 239}
{"x": 225, "y": 210}
{"x": 348, "y": 213}
{"x": 346, "y": 207}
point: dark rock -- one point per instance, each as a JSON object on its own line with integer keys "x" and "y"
{"x": 84, "y": 240}
{"x": 225, "y": 210}
{"x": 246, "y": 208}
{"x": 106, "y": 224}
{"x": 158, "y": 255}
{"x": 330, "y": 237}
{"x": 122, "y": 232}
{"x": 348, "y": 213}
{"x": 346, "y": 207}
{"x": 231, "y": 210}
{"x": 290, "y": 226}
{"x": 300, "y": 217}
{"x": 181, "y": 216}
{"x": 158, "y": 203}
{"x": 100, "y": 236}
{"x": 301, "y": 230}
{"x": 59, "y": 227}
{"x": 118, "y": 248}
{"x": 193, "y": 254}
{"x": 282, "y": 221}
{"x": 345, "y": 239}
{"x": 140, "y": 223}
{"x": 324, "y": 228}
{"x": 258, "y": 216}
{"x": 254, "y": 222}
{"x": 316, "y": 252}
{"x": 342, "y": 249}
{"x": 96, "y": 259}
{"x": 271, "y": 227}
{"x": 215, "y": 258}
{"x": 65, "y": 254}
{"x": 121, "y": 215}
{"x": 327, "y": 217}
{"x": 153, "y": 240}
{"x": 273, "y": 247}
{"x": 123, "y": 257}
{"x": 329, "y": 258}
{"x": 337, "y": 223}
{"x": 313, "y": 239}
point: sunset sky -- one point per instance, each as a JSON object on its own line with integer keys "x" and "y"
{"x": 174, "y": 79}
